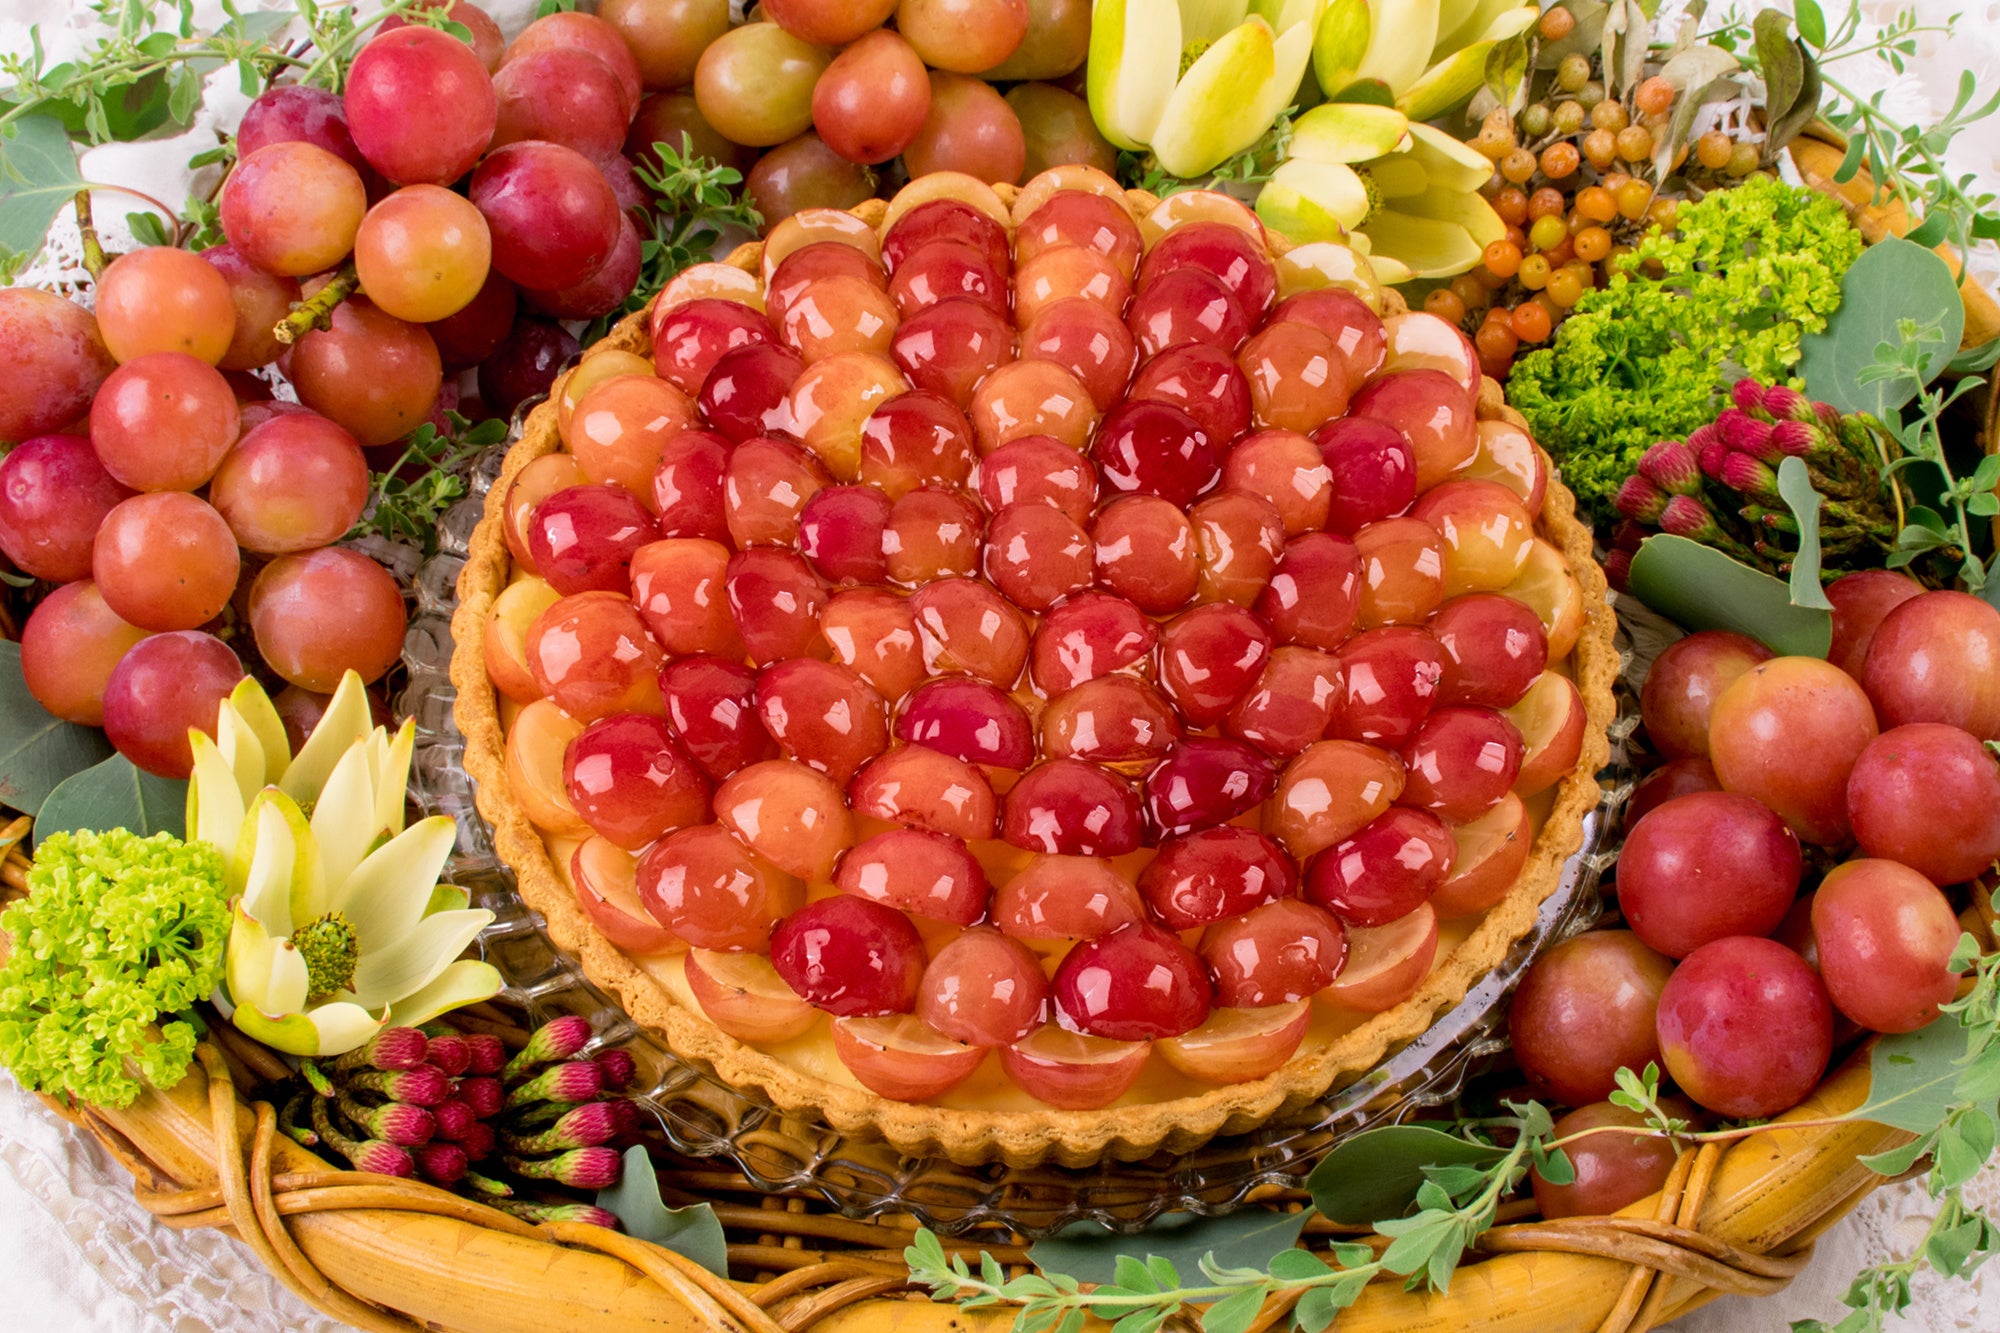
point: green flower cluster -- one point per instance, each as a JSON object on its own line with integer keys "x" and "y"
{"x": 117, "y": 933}
{"x": 1745, "y": 274}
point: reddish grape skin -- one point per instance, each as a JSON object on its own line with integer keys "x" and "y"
{"x": 1373, "y": 469}
{"x": 1432, "y": 410}
{"x": 1289, "y": 706}
{"x": 1066, "y": 897}
{"x": 54, "y": 494}
{"x": 949, "y": 347}
{"x": 466, "y": 339}
{"x": 591, "y": 655}
{"x": 69, "y": 647}
{"x": 711, "y": 703}
{"x": 631, "y": 782}
{"x": 607, "y": 286}
{"x": 1134, "y": 984}
{"x": 1037, "y": 469}
{"x": 1684, "y": 682}
{"x": 840, "y": 531}
{"x": 822, "y": 715}
{"x": 587, "y": 32}
{"x": 159, "y": 299}
{"x": 849, "y": 956}
{"x": 55, "y": 357}
{"x": 1494, "y": 649}
{"x": 298, "y": 113}
{"x": 677, "y": 585}
{"x": 1078, "y": 217}
{"x": 969, "y": 127}
{"x": 915, "y": 439}
{"x": 1036, "y": 555}
{"x": 1187, "y": 306}
{"x": 1209, "y": 658}
{"x": 525, "y": 364}
{"x": 1389, "y": 679}
{"x": 375, "y": 375}
{"x": 872, "y": 100}
{"x": 985, "y": 989}
{"x": 1200, "y": 878}
{"x": 1205, "y": 781}
{"x": 420, "y": 106}
{"x": 1088, "y": 341}
{"x": 1787, "y": 733}
{"x": 798, "y": 272}
{"x": 923, "y": 788}
{"x": 1066, "y": 807}
{"x": 165, "y": 561}
{"x": 322, "y": 614}
{"x": 874, "y": 632}
{"x": 688, "y": 486}
{"x": 1146, "y": 552}
{"x": 1402, "y": 571}
{"x": 164, "y": 685}
{"x": 1462, "y": 762}
{"x": 918, "y": 871}
{"x": 1884, "y": 936}
{"x": 1927, "y": 795}
{"x": 563, "y": 95}
{"x": 294, "y": 483}
{"x": 776, "y": 599}
{"x": 767, "y": 485}
{"x": 1202, "y": 381}
{"x": 932, "y": 534}
{"x": 969, "y": 720}
{"x": 261, "y": 301}
{"x": 1385, "y": 871}
{"x": 485, "y": 39}
{"x": 702, "y": 885}
{"x": 749, "y": 390}
{"x": 804, "y": 173}
{"x": 944, "y": 220}
{"x": 1114, "y": 720}
{"x": 1706, "y": 866}
{"x": 1315, "y": 593}
{"x": 1356, "y": 330}
{"x": 553, "y": 217}
{"x": 1155, "y": 449}
{"x": 1228, "y": 252}
{"x": 966, "y": 626}
{"x": 688, "y": 340}
{"x": 292, "y": 209}
{"x": 1585, "y": 1009}
{"x": 1676, "y": 777}
{"x": 1284, "y": 951}
{"x": 1861, "y": 601}
{"x": 1611, "y": 1170}
{"x": 1745, "y": 1027}
{"x": 162, "y": 422}
{"x": 584, "y": 538}
{"x": 1089, "y": 635}
{"x": 1936, "y": 658}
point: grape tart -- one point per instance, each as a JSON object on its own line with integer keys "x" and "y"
{"x": 1032, "y": 674}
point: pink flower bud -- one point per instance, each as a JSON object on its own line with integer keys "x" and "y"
{"x": 451, "y": 1054}
{"x": 391, "y": 1048}
{"x": 1796, "y": 439}
{"x": 1829, "y": 416}
{"x": 489, "y": 1053}
{"x": 1618, "y": 569}
{"x": 572, "y": 1081}
{"x": 479, "y": 1140}
{"x": 579, "y": 1168}
{"x": 454, "y": 1116}
{"x": 483, "y": 1095}
{"x": 1741, "y": 472}
{"x": 1710, "y": 456}
{"x": 1747, "y": 394}
{"x": 441, "y": 1163}
{"x": 382, "y": 1159}
{"x": 1673, "y": 467}
{"x": 1747, "y": 435}
{"x": 618, "y": 1068}
{"x": 1686, "y": 516}
{"x": 1785, "y": 403}
{"x": 1640, "y": 500}
{"x": 557, "y": 1039}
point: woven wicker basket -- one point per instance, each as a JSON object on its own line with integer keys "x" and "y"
{"x": 393, "y": 1255}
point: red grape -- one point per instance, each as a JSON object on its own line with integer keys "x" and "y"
{"x": 1745, "y": 1027}
{"x": 1860, "y": 602}
{"x": 298, "y": 113}
{"x": 54, "y": 494}
{"x": 163, "y": 422}
{"x": 319, "y": 615}
{"x": 872, "y": 100}
{"x": 165, "y": 561}
{"x": 804, "y": 173}
{"x": 587, "y": 32}
{"x": 1705, "y": 866}
{"x": 1936, "y": 658}
{"x": 525, "y": 364}
{"x": 666, "y": 37}
{"x": 1884, "y": 936}
{"x": 420, "y": 105}
{"x": 850, "y": 956}
{"x": 69, "y": 648}
{"x": 969, "y": 128}
{"x": 554, "y": 219}
{"x": 1585, "y": 1009}
{"x": 162, "y": 687}
{"x": 1787, "y": 733}
{"x": 1611, "y": 1170}
{"x": 1927, "y": 795}
{"x": 1684, "y": 683}
{"x": 1136, "y": 983}
{"x": 159, "y": 299}
{"x": 754, "y": 84}
{"x": 374, "y": 375}
{"x": 55, "y": 360}
{"x": 293, "y": 209}
{"x": 294, "y": 483}
{"x": 563, "y": 95}
{"x": 261, "y": 300}
{"x": 965, "y": 36}
{"x": 422, "y": 253}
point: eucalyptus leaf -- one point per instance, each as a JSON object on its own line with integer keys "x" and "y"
{"x": 1249, "y": 1239}
{"x": 1975, "y": 359}
{"x": 38, "y": 179}
{"x": 1795, "y": 485}
{"x": 115, "y": 794}
{"x": 1701, "y": 588}
{"x": 1893, "y": 280}
{"x": 129, "y": 111}
{"x": 692, "y": 1232}
{"x": 1913, "y": 1078}
{"x": 38, "y": 752}
{"x": 1376, "y": 1174}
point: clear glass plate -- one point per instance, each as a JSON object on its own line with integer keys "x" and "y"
{"x": 700, "y": 1117}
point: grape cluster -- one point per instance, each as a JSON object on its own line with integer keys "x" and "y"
{"x": 1873, "y": 762}
{"x": 1575, "y": 179}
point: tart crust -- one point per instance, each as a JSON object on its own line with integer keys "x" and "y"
{"x": 1017, "y": 1138}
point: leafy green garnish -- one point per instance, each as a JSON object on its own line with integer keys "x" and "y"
{"x": 117, "y": 933}
{"x": 1747, "y": 273}
{"x": 427, "y": 479}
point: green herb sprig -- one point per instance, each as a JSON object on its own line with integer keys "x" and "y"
{"x": 427, "y": 479}
{"x": 1905, "y": 362}
{"x": 696, "y": 200}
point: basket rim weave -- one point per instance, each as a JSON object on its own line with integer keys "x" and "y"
{"x": 1016, "y": 1137}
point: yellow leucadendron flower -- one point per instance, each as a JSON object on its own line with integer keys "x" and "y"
{"x": 1195, "y": 81}
{"x": 1406, "y": 193}
{"x": 340, "y": 927}
{"x": 1430, "y": 54}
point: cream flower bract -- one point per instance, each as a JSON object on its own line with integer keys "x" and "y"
{"x": 340, "y": 925}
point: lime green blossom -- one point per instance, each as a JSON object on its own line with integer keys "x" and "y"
{"x": 1745, "y": 275}
{"x": 117, "y": 933}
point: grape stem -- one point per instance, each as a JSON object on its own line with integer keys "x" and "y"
{"x": 317, "y": 313}
{"x": 93, "y": 249}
